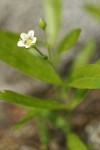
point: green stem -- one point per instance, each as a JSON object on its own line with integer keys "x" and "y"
{"x": 70, "y": 120}
{"x": 67, "y": 99}
{"x": 47, "y": 45}
{"x": 39, "y": 51}
{"x": 44, "y": 56}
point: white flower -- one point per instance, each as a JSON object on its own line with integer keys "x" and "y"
{"x": 27, "y": 40}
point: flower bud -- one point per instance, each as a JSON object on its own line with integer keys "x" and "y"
{"x": 42, "y": 24}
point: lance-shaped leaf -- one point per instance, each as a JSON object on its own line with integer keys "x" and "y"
{"x": 75, "y": 143}
{"x": 84, "y": 55}
{"x": 78, "y": 97}
{"x": 53, "y": 18}
{"x": 29, "y": 101}
{"x": 32, "y": 113}
{"x": 69, "y": 40}
{"x": 98, "y": 62}
{"x": 94, "y": 10}
{"x": 87, "y": 77}
{"x": 23, "y": 60}
{"x": 81, "y": 59}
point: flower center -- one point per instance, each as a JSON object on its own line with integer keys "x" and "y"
{"x": 28, "y": 41}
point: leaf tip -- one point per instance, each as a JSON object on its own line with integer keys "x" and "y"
{"x": 79, "y": 30}
{"x": 2, "y": 91}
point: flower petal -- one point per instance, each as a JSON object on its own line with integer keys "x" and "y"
{"x": 23, "y": 36}
{"x": 34, "y": 40}
{"x": 20, "y": 44}
{"x": 31, "y": 33}
{"x": 27, "y": 46}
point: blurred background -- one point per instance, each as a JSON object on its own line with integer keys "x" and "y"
{"x": 22, "y": 16}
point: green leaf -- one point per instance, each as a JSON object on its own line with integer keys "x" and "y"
{"x": 94, "y": 10}
{"x": 23, "y": 60}
{"x": 27, "y": 117}
{"x": 81, "y": 59}
{"x": 69, "y": 40}
{"x": 78, "y": 98}
{"x": 87, "y": 77}
{"x": 30, "y": 101}
{"x": 98, "y": 62}
{"x": 75, "y": 143}
{"x": 53, "y": 19}
{"x": 84, "y": 55}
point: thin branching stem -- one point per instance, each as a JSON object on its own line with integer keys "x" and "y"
{"x": 39, "y": 51}
{"x": 47, "y": 45}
